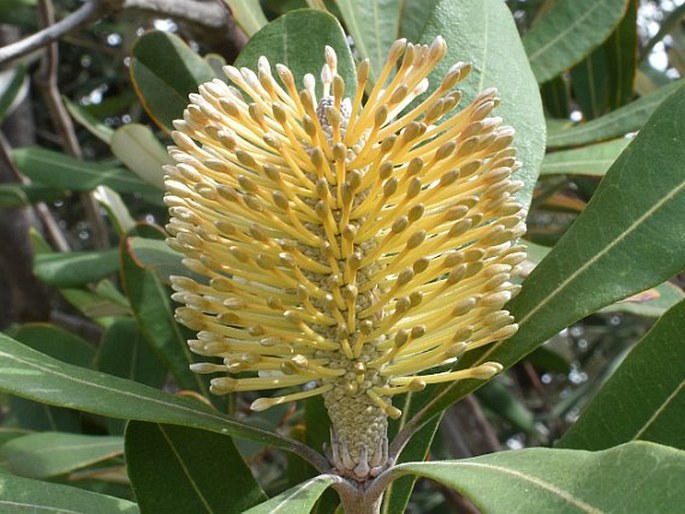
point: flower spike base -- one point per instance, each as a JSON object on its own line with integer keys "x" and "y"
{"x": 352, "y": 248}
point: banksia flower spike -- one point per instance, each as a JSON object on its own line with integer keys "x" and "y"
{"x": 351, "y": 249}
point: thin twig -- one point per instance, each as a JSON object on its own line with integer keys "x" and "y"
{"x": 47, "y": 81}
{"x": 52, "y": 228}
{"x": 208, "y": 14}
{"x": 85, "y": 14}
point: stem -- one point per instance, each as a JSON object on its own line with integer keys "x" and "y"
{"x": 85, "y": 14}
{"x": 360, "y": 498}
{"x": 47, "y": 81}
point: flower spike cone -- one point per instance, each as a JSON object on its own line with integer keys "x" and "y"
{"x": 353, "y": 248}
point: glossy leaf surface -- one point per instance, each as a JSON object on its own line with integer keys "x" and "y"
{"x": 57, "y": 170}
{"x": 637, "y": 477}
{"x": 48, "y": 454}
{"x": 36, "y": 376}
{"x": 296, "y": 500}
{"x": 567, "y": 32}
{"x": 181, "y": 469}
{"x": 617, "y": 123}
{"x": 644, "y": 398}
{"x": 152, "y": 308}
{"x": 164, "y": 70}
{"x": 628, "y": 239}
{"x": 483, "y": 33}
{"x": 297, "y": 39}
{"x": 588, "y": 160}
{"x": 23, "y": 495}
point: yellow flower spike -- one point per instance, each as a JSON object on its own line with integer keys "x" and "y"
{"x": 355, "y": 248}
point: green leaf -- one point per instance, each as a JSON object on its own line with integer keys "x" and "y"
{"x": 617, "y": 123}
{"x": 11, "y": 88}
{"x": 62, "y": 345}
{"x": 181, "y": 469}
{"x": 156, "y": 255}
{"x": 298, "y": 499}
{"x": 21, "y": 195}
{"x": 124, "y": 353}
{"x": 90, "y": 122}
{"x": 628, "y": 239}
{"x": 568, "y": 32}
{"x": 116, "y": 209}
{"x": 151, "y": 305}
{"x": 588, "y": 160}
{"x": 75, "y": 268}
{"x": 503, "y": 403}
{"x": 30, "y": 374}
{"x": 164, "y": 70}
{"x": 248, "y": 15}
{"x": 297, "y": 39}
{"x": 413, "y": 18}
{"x": 57, "y": 170}
{"x": 636, "y": 477}
{"x": 48, "y": 454}
{"x": 137, "y": 147}
{"x": 644, "y": 398}
{"x": 555, "y": 98}
{"x": 604, "y": 80}
{"x": 397, "y": 495}
{"x": 23, "y": 495}
{"x": 484, "y": 34}
{"x": 373, "y": 25}
{"x": 653, "y": 302}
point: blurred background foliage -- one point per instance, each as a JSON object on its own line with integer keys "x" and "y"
{"x": 70, "y": 282}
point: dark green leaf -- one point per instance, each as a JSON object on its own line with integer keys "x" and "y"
{"x": 64, "y": 346}
{"x": 24, "y": 496}
{"x": 604, "y": 80}
{"x": 628, "y": 239}
{"x": 484, "y": 34}
{"x": 181, "y": 469}
{"x": 75, "y": 268}
{"x": 61, "y": 171}
{"x": 32, "y": 375}
{"x": 651, "y": 303}
{"x": 47, "y": 454}
{"x": 149, "y": 298}
{"x": 501, "y": 401}
{"x": 413, "y": 18}
{"x": 124, "y": 353}
{"x": 644, "y": 398}
{"x": 164, "y": 70}
{"x": 398, "y": 493}
{"x": 13, "y": 88}
{"x": 156, "y": 255}
{"x": 568, "y": 32}
{"x": 297, "y": 40}
{"x": 555, "y": 98}
{"x": 617, "y": 123}
{"x": 56, "y": 342}
{"x": 588, "y": 160}
{"x": 298, "y": 499}
{"x": 636, "y": 477}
